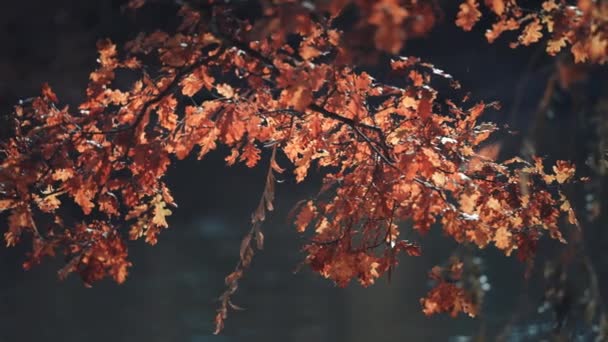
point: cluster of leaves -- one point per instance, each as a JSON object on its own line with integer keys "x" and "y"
{"x": 580, "y": 24}
{"x": 447, "y": 296}
{"x": 391, "y": 152}
{"x": 389, "y": 22}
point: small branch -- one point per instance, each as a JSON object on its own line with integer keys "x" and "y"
{"x": 165, "y": 92}
{"x": 247, "y": 252}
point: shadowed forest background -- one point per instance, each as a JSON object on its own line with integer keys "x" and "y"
{"x": 171, "y": 289}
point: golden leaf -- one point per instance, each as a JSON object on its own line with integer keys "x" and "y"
{"x": 160, "y": 212}
{"x": 502, "y": 238}
{"x": 555, "y": 45}
{"x": 531, "y": 33}
{"x": 225, "y": 90}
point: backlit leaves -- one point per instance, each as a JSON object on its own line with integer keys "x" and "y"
{"x": 581, "y": 25}
{"x": 468, "y": 15}
{"x": 391, "y": 156}
{"x": 160, "y": 212}
{"x": 563, "y": 171}
{"x": 305, "y": 216}
{"x": 196, "y": 80}
{"x": 447, "y": 296}
{"x": 531, "y": 33}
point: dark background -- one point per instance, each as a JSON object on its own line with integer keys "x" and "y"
{"x": 171, "y": 290}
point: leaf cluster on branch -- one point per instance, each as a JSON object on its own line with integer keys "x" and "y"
{"x": 580, "y": 25}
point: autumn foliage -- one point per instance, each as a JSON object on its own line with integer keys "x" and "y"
{"x": 394, "y": 154}
{"x": 579, "y": 26}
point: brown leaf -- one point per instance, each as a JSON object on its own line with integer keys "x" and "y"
{"x": 245, "y": 246}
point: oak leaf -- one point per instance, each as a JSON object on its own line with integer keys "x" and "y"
{"x": 468, "y": 15}
{"x": 531, "y": 33}
{"x": 160, "y": 212}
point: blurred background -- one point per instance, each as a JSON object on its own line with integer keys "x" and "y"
{"x": 171, "y": 291}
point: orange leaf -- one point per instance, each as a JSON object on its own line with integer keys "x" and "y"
{"x": 250, "y": 154}
{"x": 468, "y": 15}
{"x": 563, "y": 171}
{"x": 531, "y": 33}
{"x": 306, "y": 215}
{"x": 48, "y": 93}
